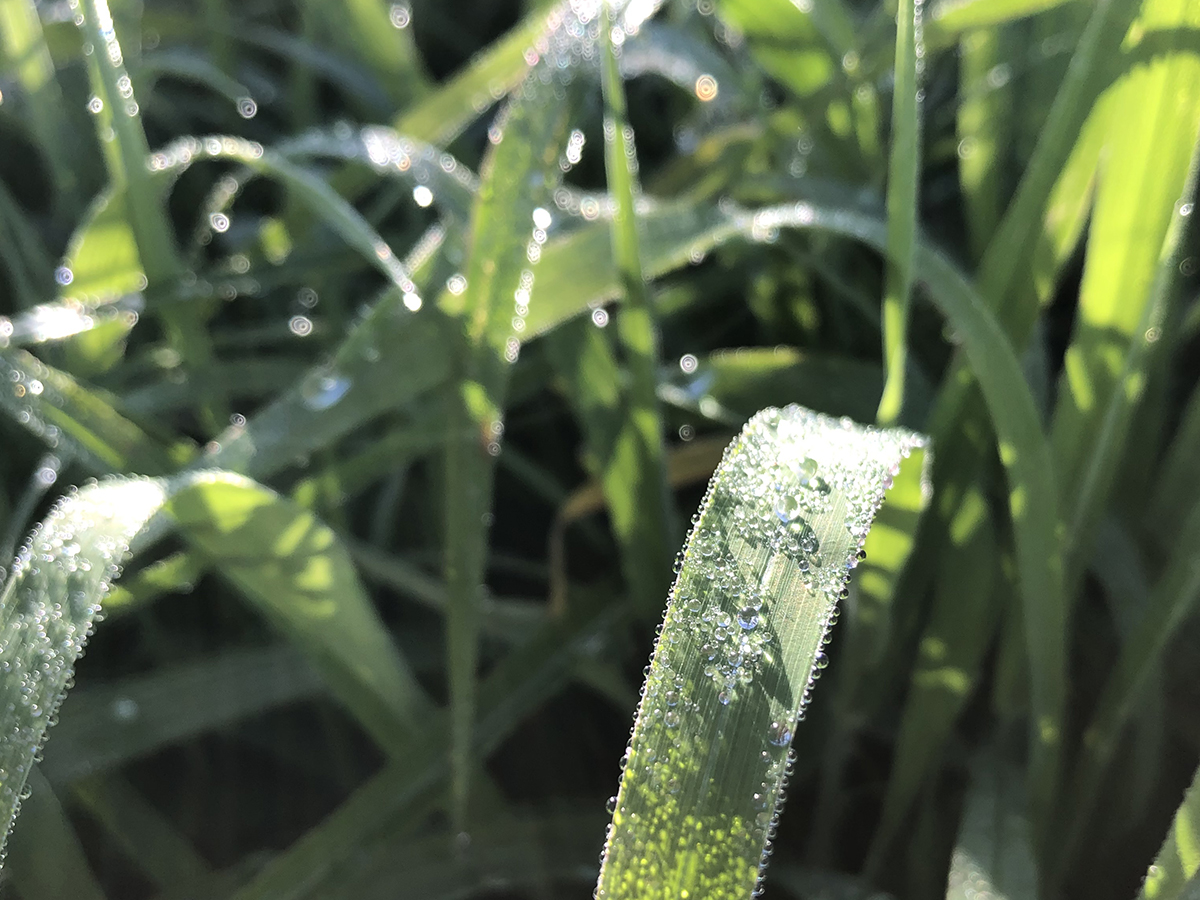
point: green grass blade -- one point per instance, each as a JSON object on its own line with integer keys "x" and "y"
{"x": 1006, "y": 260}
{"x": 951, "y": 18}
{"x": 1173, "y": 597}
{"x": 76, "y": 420}
{"x": 1172, "y": 876}
{"x": 1134, "y": 250}
{"x": 23, "y": 49}
{"x": 119, "y": 127}
{"x": 47, "y": 611}
{"x": 904, "y": 168}
{"x": 289, "y": 566}
{"x": 107, "y": 726}
{"x": 295, "y": 572}
{"x": 635, "y": 473}
{"x": 379, "y": 34}
{"x": 102, "y": 258}
{"x": 994, "y": 851}
{"x": 684, "y": 230}
{"x": 949, "y": 658}
{"x": 985, "y": 120}
{"x": 784, "y": 519}
{"x": 45, "y": 858}
{"x": 441, "y": 116}
{"x": 145, "y": 835}
{"x": 508, "y": 229}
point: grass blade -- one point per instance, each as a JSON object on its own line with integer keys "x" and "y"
{"x": 308, "y": 589}
{"x": 297, "y": 573}
{"x": 23, "y": 49}
{"x": 46, "y": 861}
{"x": 71, "y": 418}
{"x": 785, "y": 516}
{"x": 1173, "y": 873}
{"x": 47, "y": 611}
{"x": 1134, "y": 250}
{"x": 634, "y": 471}
{"x": 985, "y": 120}
{"x": 108, "y": 726}
{"x": 994, "y": 853}
{"x": 904, "y": 169}
{"x": 507, "y": 231}
{"x": 1007, "y": 257}
{"x": 1172, "y": 599}
{"x": 119, "y": 127}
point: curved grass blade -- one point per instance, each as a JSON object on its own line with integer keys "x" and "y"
{"x": 672, "y": 235}
{"x": 904, "y": 168}
{"x": 1172, "y": 876}
{"x": 780, "y": 528}
{"x": 290, "y": 567}
{"x": 47, "y": 610}
{"x": 297, "y": 573}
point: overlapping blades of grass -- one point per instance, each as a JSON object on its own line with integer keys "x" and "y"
{"x": 1132, "y": 263}
{"x": 784, "y": 519}
{"x": 290, "y": 567}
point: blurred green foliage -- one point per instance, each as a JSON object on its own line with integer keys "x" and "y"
{"x": 463, "y": 318}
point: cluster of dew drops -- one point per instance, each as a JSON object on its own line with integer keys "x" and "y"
{"x": 790, "y": 467}
{"x": 59, "y": 579}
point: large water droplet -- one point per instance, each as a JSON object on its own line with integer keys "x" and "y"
{"x": 323, "y": 391}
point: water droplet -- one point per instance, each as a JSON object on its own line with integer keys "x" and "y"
{"x": 301, "y": 326}
{"x": 247, "y": 108}
{"x": 422, "y": 195}
{"x": 748, "y": 617}
{"x": 323, "y": 391}
{"x": 611, "y": 805}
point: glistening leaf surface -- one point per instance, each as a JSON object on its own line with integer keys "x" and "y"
{"x": 291, "y": 567}
{"x": 781, "y": 527}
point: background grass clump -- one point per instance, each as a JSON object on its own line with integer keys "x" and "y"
{"x": 385, "y": 351}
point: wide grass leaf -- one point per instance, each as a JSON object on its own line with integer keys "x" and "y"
{"x": 782, "y": 524}
{"x": 291, "y": 568}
